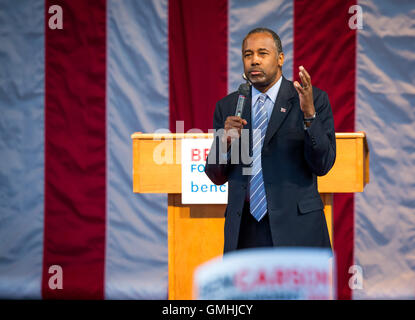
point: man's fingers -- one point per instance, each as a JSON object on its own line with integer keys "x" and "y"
{"x": 305, "y": 72}
{"x": 306, "y": 76}
{"x": 240, "y": 120}
{"x": 303, "y": 80}
{"x": 234, "y": 121}
{"x": 298, "y": 87}
{"x": 233, "y": 127}
{"x": 234, "y": 118}
{"x": 233, "y": 133}
{"x": 234, "y": 124}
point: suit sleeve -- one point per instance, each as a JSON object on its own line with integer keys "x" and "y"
{"x": 320, "y": 139}
{"x": 218, "y": 161}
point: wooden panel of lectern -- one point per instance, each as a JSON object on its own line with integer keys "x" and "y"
{"x": 195, "y": 232}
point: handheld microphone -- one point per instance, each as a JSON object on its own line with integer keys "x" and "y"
{"x": 243, "y": 91}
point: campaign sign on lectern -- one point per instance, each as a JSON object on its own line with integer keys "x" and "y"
{"x": 267, "y": 273}
{"x": 196, "y": 186}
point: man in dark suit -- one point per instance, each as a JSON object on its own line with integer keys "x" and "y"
{"x": 273, "y": 198}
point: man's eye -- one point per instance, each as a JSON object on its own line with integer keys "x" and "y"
{"x": 248, "y": 54}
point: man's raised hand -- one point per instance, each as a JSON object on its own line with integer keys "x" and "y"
{"x": 305, "y": 93}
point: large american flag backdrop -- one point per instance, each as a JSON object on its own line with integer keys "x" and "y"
{"x": 70, "y": 99}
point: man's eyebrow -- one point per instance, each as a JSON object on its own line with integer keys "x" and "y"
{"x": 260, "y": 49}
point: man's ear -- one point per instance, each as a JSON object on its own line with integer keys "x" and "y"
{"x": 281, "y": 59}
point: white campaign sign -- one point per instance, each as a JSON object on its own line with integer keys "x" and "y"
{"x": 196, "y": 186}
{"x": 271, "y": 273}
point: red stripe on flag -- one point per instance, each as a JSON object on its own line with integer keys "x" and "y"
{"x": 326, "y": 46}
{"x": 198, "y": 36}
{"x": 75, "y": 150}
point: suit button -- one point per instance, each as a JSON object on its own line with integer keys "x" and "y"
{"x": 238, "y": 213}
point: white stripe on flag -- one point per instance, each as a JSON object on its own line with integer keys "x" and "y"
{"x": 22, "y": 148}
{"x": 137, "y": 91}
{"x": 385, "y": 220}
{"x": 245, "y": 15}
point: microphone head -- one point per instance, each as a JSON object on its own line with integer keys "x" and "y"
{"x": 246, "y": 79}
{"x": 244, "y": 89}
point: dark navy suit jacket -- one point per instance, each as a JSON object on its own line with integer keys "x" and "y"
{"x": 292, "y": 158}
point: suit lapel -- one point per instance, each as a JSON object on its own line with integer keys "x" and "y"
{"x": 281, "y": 109}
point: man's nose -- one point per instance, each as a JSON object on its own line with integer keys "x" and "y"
{"x": 255, "y": 60}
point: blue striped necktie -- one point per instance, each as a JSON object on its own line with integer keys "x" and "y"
{"x": 258, "y": 201}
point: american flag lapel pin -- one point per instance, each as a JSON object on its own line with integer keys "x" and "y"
{"x": 283, "y": 109}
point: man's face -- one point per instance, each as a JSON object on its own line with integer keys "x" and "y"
{"x": 262, "y": 63}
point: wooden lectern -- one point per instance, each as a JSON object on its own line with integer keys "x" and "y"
{"x": 195, "y": 232}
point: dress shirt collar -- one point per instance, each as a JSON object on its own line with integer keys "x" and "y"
{"x": 271, "y": 93}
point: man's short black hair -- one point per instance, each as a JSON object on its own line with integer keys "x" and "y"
{"x": 275, "y": 36}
